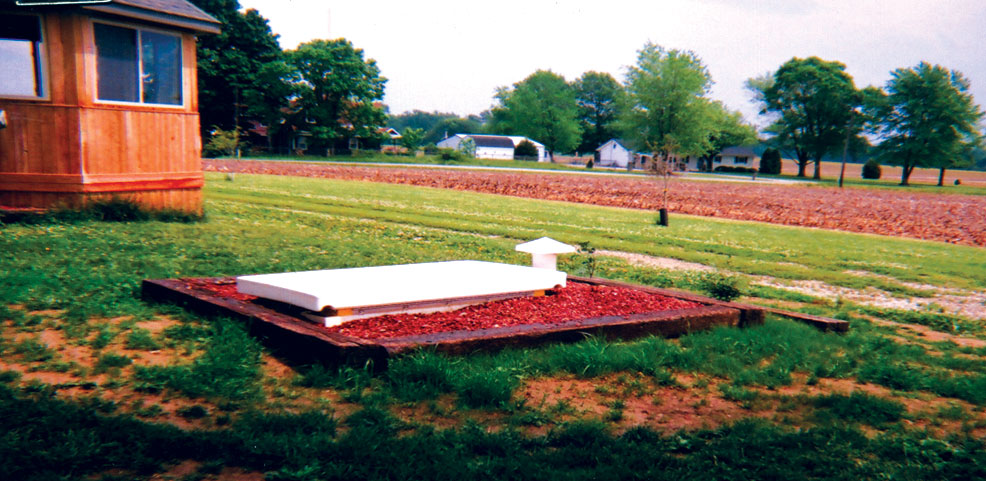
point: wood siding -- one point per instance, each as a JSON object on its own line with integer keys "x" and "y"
{"x": 69, "y": 147}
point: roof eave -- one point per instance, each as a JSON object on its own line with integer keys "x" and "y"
{"x": 186, "y": 23}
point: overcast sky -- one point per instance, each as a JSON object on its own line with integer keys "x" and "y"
{"x": 450, "y": 56}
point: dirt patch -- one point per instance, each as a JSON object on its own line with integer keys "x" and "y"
{"x": 928, "y": 334}
{"x": 663, "y": 408}
{"x": 924, "y": 410}
{"x": 277, "y": 369}
{"x": 442, "y": 413}
{"x": 155, "y": 325}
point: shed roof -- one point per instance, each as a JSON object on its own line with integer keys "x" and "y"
{"x": 499, "y": 141}
{"x": 619, "y": 142}
{"x": 739, "y": 151}
{"x": 176, "y": 13}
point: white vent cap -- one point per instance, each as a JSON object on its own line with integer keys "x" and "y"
{"x": 544, "y": 252}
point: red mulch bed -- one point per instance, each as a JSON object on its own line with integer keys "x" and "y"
{"x": 575, "y": 301}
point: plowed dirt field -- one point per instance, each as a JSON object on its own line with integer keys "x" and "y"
{"x": 958, "y": 219}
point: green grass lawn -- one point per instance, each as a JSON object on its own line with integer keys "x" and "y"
{"x": 430, "y": 416}
{"x": 747, "y": 247}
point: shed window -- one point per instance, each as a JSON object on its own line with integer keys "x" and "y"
{"x": 137, "y": 65}
{"x": 20, "y": 56}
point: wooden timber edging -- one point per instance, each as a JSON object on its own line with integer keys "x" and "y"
{"x": 751, "y": 314}
{"x": 666, "y": 323}
{"x": 824, "y": 324}
{"x": 284, "y": 330}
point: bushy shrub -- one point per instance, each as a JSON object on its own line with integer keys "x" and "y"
{"x": 871, "y": 169}
{"x": 526, "y": 150}
{"x": 449, "y": 154}
{"x": 770, "y": 162}
{"x": 589, "y": 164}
{"x": 467, "y": 148}
{"x": 431, "y": 149}
{"x": 718, "y": 286}
{"x": 222, "y": 143}
{"x": 735, "y": 170}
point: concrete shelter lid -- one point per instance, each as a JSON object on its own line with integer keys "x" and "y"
{"x": 545, "y": 245}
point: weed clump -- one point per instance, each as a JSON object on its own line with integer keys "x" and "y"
{"x": 141, "y": 340}
{"x": 482, "y": 388}
{"x": 424, "y": 374}
{"x": 718, "y": 286}
{"x": 110, "y": 361}
{"x": 859, "y": 407}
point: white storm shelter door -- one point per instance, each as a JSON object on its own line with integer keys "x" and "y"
{"x": 338, "y": 295}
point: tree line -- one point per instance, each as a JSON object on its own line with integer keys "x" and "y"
{"x": 924, "y": 116}
{"x": 324, "y": 87}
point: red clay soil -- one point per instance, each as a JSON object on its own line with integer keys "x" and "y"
{"x": 575, "y": 301}
{"x": 950, "y": 218}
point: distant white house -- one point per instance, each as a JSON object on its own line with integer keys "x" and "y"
{"x": 737, "y": 157}
{"x": 615, "y": 153}
{"x": 390, "y": 132}
{"x": 493, "y": 146}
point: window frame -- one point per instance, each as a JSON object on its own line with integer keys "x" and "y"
{"x": 41, "y": 57}
{"x": 140, "y": 84}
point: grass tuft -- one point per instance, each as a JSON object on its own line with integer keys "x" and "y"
{"x": 859, "y": 407}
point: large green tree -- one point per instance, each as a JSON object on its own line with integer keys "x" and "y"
{"x": 930, "y": 120}
{"x": 541, "y": 107}
{"x": 728, "y": 129}
{"x": 668, "y": 111}
{"x": 599, "y": 97}
{"x": 339, "y": 92}
{"x": 231, "y": 65}
{"x": 814, "y": 101}
{"x": 278, "y": 82}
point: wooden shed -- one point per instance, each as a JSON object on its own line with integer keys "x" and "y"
{"x": 98, "y": 99}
